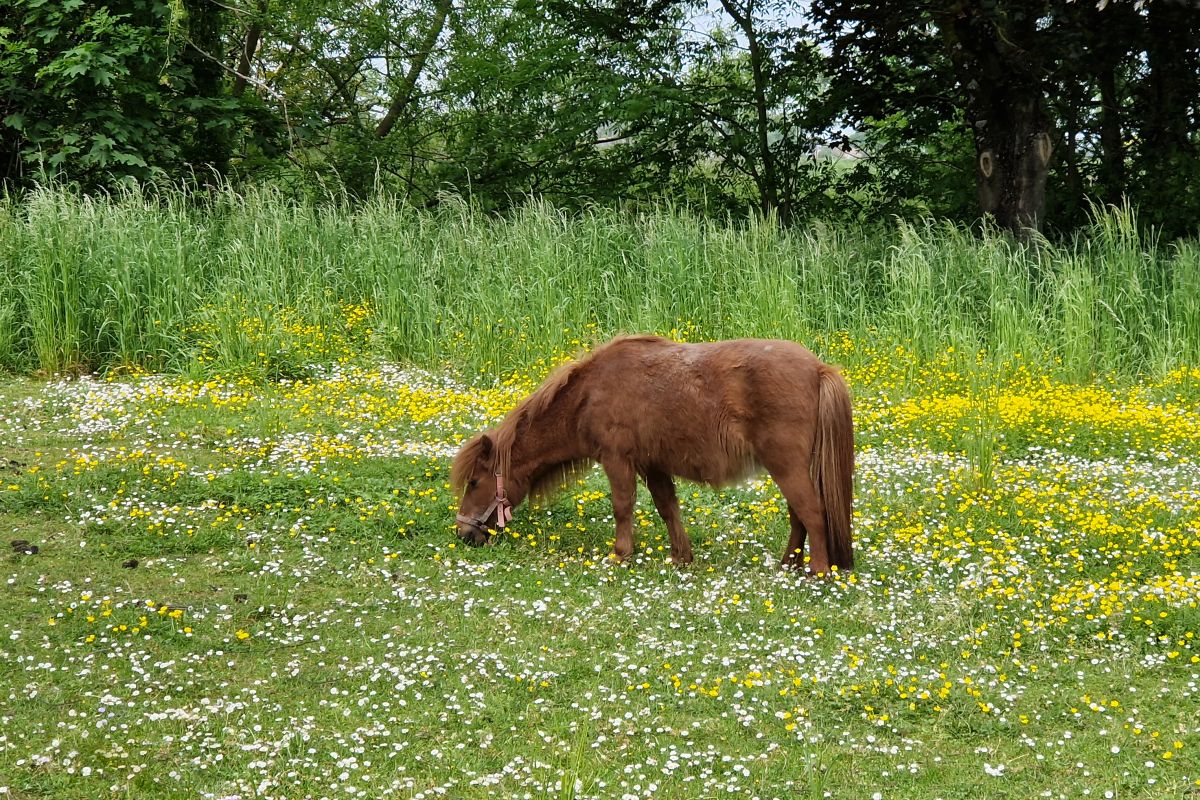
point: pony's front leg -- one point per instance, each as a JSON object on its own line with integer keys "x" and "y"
{"x": 622, "y": 481}
{"x": 662, "y": 489}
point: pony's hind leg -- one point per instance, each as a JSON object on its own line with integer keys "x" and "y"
{"x": 662, "y": 489}
{"x": 804, "y": 504}
{"x": 794, "y": 557}
{"x": 622, "y": 481}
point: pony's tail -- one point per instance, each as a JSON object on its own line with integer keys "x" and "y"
{"x": 833, "y": 465}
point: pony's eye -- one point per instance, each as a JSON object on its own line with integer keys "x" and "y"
{"x": 471, "y": 484}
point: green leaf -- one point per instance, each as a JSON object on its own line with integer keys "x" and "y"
{"x": 130, "y": 159}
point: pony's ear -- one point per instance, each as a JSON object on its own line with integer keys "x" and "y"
{"x": 486, "y": 446}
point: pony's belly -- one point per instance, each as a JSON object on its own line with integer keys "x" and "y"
{"x": 738, "y": 472}
{"x": 715, "y": 474}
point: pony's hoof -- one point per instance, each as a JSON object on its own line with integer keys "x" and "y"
{"x": 683, "y": 560}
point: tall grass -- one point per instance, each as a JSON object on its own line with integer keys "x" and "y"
{"x": 160, "y": 281}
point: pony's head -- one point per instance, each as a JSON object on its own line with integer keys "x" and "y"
{"x": 484, "y": 505}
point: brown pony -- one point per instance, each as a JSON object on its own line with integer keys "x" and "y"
{"x": 713, "y": 413}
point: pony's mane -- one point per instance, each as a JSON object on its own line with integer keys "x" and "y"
{"x": 504, "y": 435}
{"x": 557, "y": 479}
{"x": 464, "y": 461}
{"x": 533, "y": 406}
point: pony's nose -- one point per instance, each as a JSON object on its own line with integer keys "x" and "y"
{"x": 472, "y": 536}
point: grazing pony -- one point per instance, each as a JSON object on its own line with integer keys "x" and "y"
{"x": 713, "y": 412}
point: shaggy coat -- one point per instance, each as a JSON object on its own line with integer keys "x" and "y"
{"x": 713, "y": 413}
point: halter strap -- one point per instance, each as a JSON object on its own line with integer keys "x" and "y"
{"x": 500, "y": 504}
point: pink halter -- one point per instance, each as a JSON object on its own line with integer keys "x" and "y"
{"x": 500, "y": 504}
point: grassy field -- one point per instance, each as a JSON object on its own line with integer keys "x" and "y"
{"x": 254, "y": 285}
{"x": 249, "y": 588}
{"x": 229, "y": 561}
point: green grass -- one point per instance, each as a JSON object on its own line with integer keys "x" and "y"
{"x": 240, "y": 282}
{"x": 301, "y": 621}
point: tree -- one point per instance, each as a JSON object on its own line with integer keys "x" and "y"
{"x": 986, "y": 58}
{"x": 1165, "y": 106}
{"x": 1113, "y": 87}
{"x": 102, "y": 93}
{"x": 736, "y": 107}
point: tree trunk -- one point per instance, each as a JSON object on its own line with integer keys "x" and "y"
{"x": 1167, "y": 157}
{"x": 768, "y": 181}
{"x": 1013, "y": 150}
{"x": 1112, "y": 148}
{"x": 404, "y": 92}
{"x": 11, "y": 172}
{"x": 1172, "y": 61}
{"x": 249, "y": 48}
{"x": 999, "y": 64}
{"x": 1073, "y": 190}
{"x": 210, "y": 146}
{"x": 1171, "y": 84}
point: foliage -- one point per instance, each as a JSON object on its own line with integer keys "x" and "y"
{"x": 1080, "y": 73}
{"x": 839, "y": 110}
{"x": 102, "y": 93}
{"x": 892, "y": 173}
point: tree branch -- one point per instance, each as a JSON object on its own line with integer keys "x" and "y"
{"x": 409, "y": 84}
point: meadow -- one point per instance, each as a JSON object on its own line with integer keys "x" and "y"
{"x": 230, "y": 568}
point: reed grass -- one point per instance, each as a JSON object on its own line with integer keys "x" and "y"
{"x": 161, "y": 281}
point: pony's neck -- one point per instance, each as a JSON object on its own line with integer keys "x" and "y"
{"x": 538, "y": 448}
